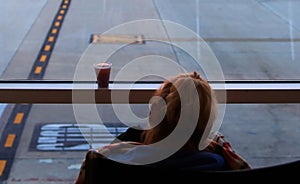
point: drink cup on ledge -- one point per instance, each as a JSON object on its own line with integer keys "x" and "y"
{"x": 102, "y": 72}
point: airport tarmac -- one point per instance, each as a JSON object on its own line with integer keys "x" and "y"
{"x": 250, "y": 39}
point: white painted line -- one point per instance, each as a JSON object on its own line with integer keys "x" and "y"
{"x": 198, "y": 28}
{"x": 2, "y": 107}
{"x": 292, "y": 45}
{"x": 47, "y": 161}
{"x": 74, "y": 166}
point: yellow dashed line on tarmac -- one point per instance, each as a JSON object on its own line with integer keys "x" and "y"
{"x": 57, "y": 24}
{"x": 54, "y": 31}
{"x": 47, "y": 48}
{"x": 43, "y": 58}
{"x": 12, "y": 131}
{"x": 18, "y": 118}
{"x": 59, "y": 17}
{"x": 38, "y": 70}
{"x": 51, "y": 39}
{"x": 10, "y": 140}
{"x": 2, "y": 166}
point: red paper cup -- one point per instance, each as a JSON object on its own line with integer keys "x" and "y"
{"x": 102, "y": 72}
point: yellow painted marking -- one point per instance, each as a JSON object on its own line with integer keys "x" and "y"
{"x": 2, "y": 166}
{"x": 64, "y": 7}
{"x": 118, "y": 39}
{"x": 38, "y": 70}
{"x": 54, "y": 31}
{"x": 10, "y": 140}
{"x": 140, "y": 39}
{"x": 59, "y": 17}
{"x": 18, "y": 118}
{"x": 57, "y": 24}
{"x": 43, "y": 58}
{"x": 51, "y": 39}
{"x": 47, "y": 48}
{"x": 66, "y": 2}
{"x": 62, "y": 12}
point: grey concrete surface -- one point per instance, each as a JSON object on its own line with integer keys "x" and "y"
{"x": 16, "y": 15}
{"x": 251, "y": 40}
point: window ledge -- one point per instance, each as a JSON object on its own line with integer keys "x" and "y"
{"x": 76, "y": 92}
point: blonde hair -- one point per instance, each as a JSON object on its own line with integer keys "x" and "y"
{"x": 170, "y": 93}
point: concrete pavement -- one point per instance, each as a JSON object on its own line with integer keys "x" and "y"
{"x": 250, "y": 39}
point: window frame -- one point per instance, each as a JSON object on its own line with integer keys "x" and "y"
{"x": 61, "y": 92}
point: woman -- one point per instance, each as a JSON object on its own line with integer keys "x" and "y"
{"x": 181, "y": 120}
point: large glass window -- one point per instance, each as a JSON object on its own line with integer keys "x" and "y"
{"x": 251, "y": 39}
{"x": 229, "y": 42}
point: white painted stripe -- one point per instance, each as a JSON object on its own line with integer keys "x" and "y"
{"x": 2, "y": 107}
{"x": 291, "y": 26}
{"x": 74, "y": 166}
{"x": 198, "y": 28}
